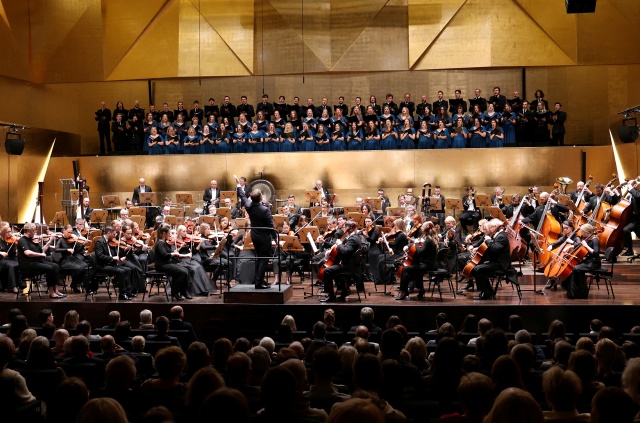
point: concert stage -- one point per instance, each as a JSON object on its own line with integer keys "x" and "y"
{"x": 214, "y": 317}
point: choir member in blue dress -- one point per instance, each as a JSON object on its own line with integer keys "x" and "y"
{"x": 357, "y": 114}
{"x": 496, "y": 135}
{"x": 489, "y": 115}
{"x": 278, "y": 121}
{"x": 191, "y": 143}
{"x": 339, "y": 119}
{"x": 389, "y": 137}
{"x": 255, "y": 139}
{"x": 272, "y": 139}
{"x": 442, "y": 136}
{"x": 289, "y": 141}
{"x": 224, "y": 142}
{"x": 260, "y": 120}
{"x": 372, "y": 137}
{"x": 181, "y": 129}
{"x": 212, "y": 124}
{"x": 239, "y": 140}
{"x": 171, "y": 142}
{"x": 295, "y": 120}
{"x": 311, "y": 120}
{"x": 207, "y": 141}
{"x": 386, "y": 114}
{"x": 195, "y": 124}
{"x": 246, "y": 124}
{"x": 476, "y": 113}
{"x": 337, "y": 138}
{"x": 443, "y": 116}
{"x": 370, "y": 114}
{"x": 461, "y": 114}
{"x": 322, "y": 139}
{"x": 407, "y": 135}
{"x": 404, "y": 115}
{"x": 307, "y": 138}
{"x": 325, "y": 120}
{"x": 478, "y": 134}
{"x": 147, "y": 125}
{"x": 508, "y": 124}
{"x": 155, "y": 142}
{"x": 425, "y": 136}
{"x": 459, "y": 135}
{"x": 163, "y": 125}
{"x": 354, "y": 138}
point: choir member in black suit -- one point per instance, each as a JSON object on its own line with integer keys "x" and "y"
{"x": 120, "y": 110}
{"x": 265, "y": 107}
{"x": 516, "y": 102}
{"x": 408, "y": 104}
{"x": 345, "y": 263}
{"x": 458, "y": 100}
{"x": 424, "y": 259}
{"x": 478, "y": 99}
{"x": 376, "y": 107}
{"x": 312, "y": 107}
{"x": 211, "y": 109}
{"x": 558, "y": 118}
{"x": 341, "y": 106}
{"x": 297, "y": 107}
{"x": 541, "y": 125}
{"x": 263, "y": 232}
{"x": 424, "y": 104}
{"x": 32, "y": 259}
{"x": 135, "y": 133}
{"x": 154, "y": 112}
{"x": 167, "y": 262}
{"x": 141, "y": 188}
{"x": 181, "y": 111}
{"x": 524, "y": 124}
{"x": 393, "y": 107}
{"x": 539, "y": 99}
{"x": 229, "y": 111}
{"x": 165, "y": 111}
{"x": 136, "y": 110}
{"x": 196, "y": 112}
{"x": 471, "y": 214}
{"x": 359, "y": 106}
{"x": 281, "y": 106}
{"x": 498, "y": 100}
{"x": 103, "y": 117}
{"x": 325, "y": 106}
{"x": 246, "y": 108}
{"x": 496, "y": 257}
{"x": 119, "y": 129}
{"x": 109, "y": 262}
{"x": 440, "y": 102}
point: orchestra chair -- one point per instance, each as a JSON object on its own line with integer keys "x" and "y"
{"x": 436, "y": 277}
{"x": 498, "y": 277}
{"x": 104, "y": 278}
{"x": 159, "y": 279}
{"x": 30, "y": 282}
{"x": 355, "y": 276}
{"x": 603, "y": 273}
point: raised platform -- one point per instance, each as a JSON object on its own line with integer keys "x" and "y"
{"x": 248, "y": 294}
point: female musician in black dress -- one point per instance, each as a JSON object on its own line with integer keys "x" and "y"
{"x": 577, "y": 280}
{"x": 186, "y": 245}
{"x": 8, "y": 258}
{"x": 372, "y": 234}
{"x": 72, "y": 252}
{"x": 396, "y": 240}
{"x": 423, "y": 260}
{"x": 166, "y": 259}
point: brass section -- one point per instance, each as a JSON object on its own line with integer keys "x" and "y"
{"x": 488, "y": 34}
{"x": 348, "y": 174}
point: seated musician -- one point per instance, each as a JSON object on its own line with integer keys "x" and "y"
{"x": 555, "y": 210}
{"x": 287, "y": 257}
{"x": 142, "y": 251}
{"x": 346, "y": 251}
{"x": 186, "y": 245}
{"x": 577, "y": 281}
{"x": 410, "y": 211}
{"x": 509, "y": 209}
{"x": 416, "y": 227}
{"x": 87, "y": 209}
{"x": 372, "y": 256}
{"x": 396, "y": 240}
{"x": 211, "y": 195}
{"x": 291, "y": 202}
{"x": 212, "y": 211}
{"x": 580, "y": 188}
{"x": 73, "y": 260}
{"x": 128, "y": 249}
{"x": 8, "y": 258}
{"x": 471, "y": 214}
{"x": 324, "y": 193}
{"x": 166, "y": 260}
{"x": 633, "y": 226}
{"x": 424, "y": 259}
{"x": 496, "y": 257}
{"x": 206, "y": 249}
{"x": 325, "y": 210}
{"x": 80, "y": 230}
{"x": 325, "y": 242}
{"x": 610, "y": 196}
{"x": 166, "y": 211}
{"x": 108, "y": 261}
{"x": 568, "y": 236}
{"x": 471, "y": 242}
{"x": 32, "y": 259}
{"x": 292, "y": 216}
{"x": 235, "y": 213}
{"x": 451, "y": 238}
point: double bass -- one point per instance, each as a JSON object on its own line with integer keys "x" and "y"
{"x": 547, "y": 232}
{"x": 617, "y": 217}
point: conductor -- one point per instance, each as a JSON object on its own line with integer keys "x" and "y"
{"x": 262, "y": 230}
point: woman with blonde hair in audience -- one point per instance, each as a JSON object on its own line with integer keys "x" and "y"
{"x": 71, "y": 320}
{"x": 631, "y": 379}
{"x": 418, "y": 350}
{"x": 606, "y": 354}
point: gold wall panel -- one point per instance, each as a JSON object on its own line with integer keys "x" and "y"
{"x": 14, "y": 33}
{"x": 515, "y": 169}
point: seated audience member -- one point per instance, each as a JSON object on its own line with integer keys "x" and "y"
{"x": 203, "y": 383}
{"x": 84, "y": 329}
{"x": 260, "y": 363}
{"x": 167, "y": 389}
{"x": 417, "y": 348}
{"x": 198, "y": 357}
{"x": 21, "y": 394}
{"x": 583, "y": 364}
{"x": 515, "y": 405}
{"x": 562, "y": 390}
{"x": 506, "y": 374}
{"x": 319, "y": 341}
{"x": 444, "y": 377}
{"x": 301, "y": 408}
{"x": 357, "y": 410}
{"x": 146, "y": 320}
{"x": 366, "y": 319}
{"x": 612, "y": 405}
{"x": 323, "y": 393}
{"x": 476, "y": 397}
{"x": 227, "y": 405}
{"x": 59, "y": 336}
{"x": 631, "y": 379}
{"x": 67, "y": 400}
{"x": 177, "y": 323}
{"x": 102, "y": 410}
{"x": 162, "y": 328}
{"x": 78, "y": 363}
{"x": 220, "y": 352}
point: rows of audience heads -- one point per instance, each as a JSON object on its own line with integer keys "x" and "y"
{"x": 478, "y": 373}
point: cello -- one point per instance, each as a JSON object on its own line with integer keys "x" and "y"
{"x": 475, "y": 260}
{"x": 570, "y": 258}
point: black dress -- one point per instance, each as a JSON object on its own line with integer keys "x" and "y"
{"x": 577, "y": 282}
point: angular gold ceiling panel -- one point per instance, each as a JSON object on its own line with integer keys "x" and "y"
{"x": 427, "y": 18}
{"x": 496, "y": 33}
{"x": 3, "y": 15}
{"x": 14, "y": 33}
{"x": 122, "y": 23}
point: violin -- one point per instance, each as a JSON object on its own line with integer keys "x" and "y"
{"x": 74, "y": 239}
{"x": 115, "y": 243}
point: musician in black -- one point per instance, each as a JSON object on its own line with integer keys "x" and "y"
{"x": 558, "y": 118}
{"x": 471, "y": 242}
{"x": 440, "y": 102}
{"x": 581, "y": 188}
{"x": 212, "y": 194}
{"x": 136, "y": 111}
{"x": 424, "y": 104}
{"x": 71, "y": 248}
{"x": 281, "y": 106}
{"x": 141, "y": 188}
{"x": 324, "y": 105}
{"x": 32, "y": 259}
{"x": 555, "y": 209}
{"x": 479, "y": 100}
{"x": 610, "y": 196}
{"x": 397, "y": 240}
{"x": 524, "y": 123}
{"x": 103, "y": 117}
{"x": 509, "y": 209}
{"x": 211, "y": 109}
{"x": 108, "y": 262}
{"x": 207, "y": 247}
{"x": 165, "y": 111}
{"x": 569, "y": 237}
{"x": 324, "y": 193}
{"x": 8, "y": 258}
{"x": 167, "y": 263}
{"x": 343, "y": 107}
{"x": 498, "y": 100}
{"x": 181, "y": 111}
{"x": 345, "y": 263}
{"x": 496, "y": 257}
{"x": 265, "y": 107}
{"x": 471, "y": 214}
{"x": 263, "y": 232}
{"x": 196, "y": 112}
{"x": 119, "y": 129}
{"x": 235, "y": 212}
{"x": 229, "y": 111}
{"x": 424, "y": 259}
{"x": 410, "y": 105}
{"x": 634, "y": 222}
{"x": 577, "y": 282}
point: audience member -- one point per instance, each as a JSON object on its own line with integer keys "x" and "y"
{"x": 562, "y": 390}
{"x": 146, "y": 320}
{"x": 227, "y": 405}
{"x": 177, "y": 323}
{"x": 612, "y": 404}
{"x": 515, "y": 405}
{"x": 366, "y": 319}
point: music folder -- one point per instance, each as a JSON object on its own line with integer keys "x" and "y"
{"x": 278, "y": 220}
{"x": 184, "y": 198}
{"x": 483, "y": 200}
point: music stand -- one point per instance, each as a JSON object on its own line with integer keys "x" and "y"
{"x": 75, "y": 194}
{"x": 175, "y": 211}
{"x": 496, "y": 213}
{"x": 233, "y": 195}
{"x": 290, "y": 244}
{"x": 183, "y": 198}
{"x": 314, "y": 211}
{"x": 239, "y": 223}
{"x": 321, "y": 223}
{"x": 216, "y": 255}
{"x": 311, "y": 230}
{"x": 224, "y": 212}
{"x": 60, "y": 218}
{"x": 453, "y": 204}
{"x": 138, "y": 211}
{"x": 506, "y": 199}
{"x": 281, "y": 209}
{"x": 110, "y": 201}
{"x": 352, "y": 209}
{"x": 171, "y": 220}
{"x": 99, "y": 216}
{"x": 358, "y": 218}
{"x": 312, "y": 196}
{"x": 396, "y": 211}
{"x": 566, "y": 200}
{"x": 483, "y": 201}
{"x": 140, "y": 220}
{"x": 375, "y": 203}
{"x": 212, "y": 221}
{"x": 278, "y": 220}
{"x": 248, "y": 242}
{"x": 148, "y": 197}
